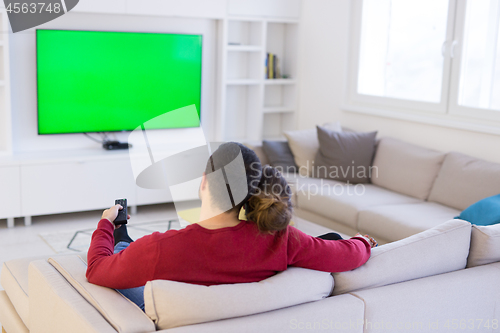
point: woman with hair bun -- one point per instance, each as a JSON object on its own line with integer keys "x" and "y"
{"x": 271, "y": 207}
{"x": 221, "y": 249}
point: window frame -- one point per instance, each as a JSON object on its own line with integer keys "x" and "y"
{"x": 454, "y": 108}
{"x": 446, "y": 113}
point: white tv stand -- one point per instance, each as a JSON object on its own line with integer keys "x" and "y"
{"x": 54, "y": 182}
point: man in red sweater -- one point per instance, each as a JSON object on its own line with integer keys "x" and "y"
{"x": 205, "y": 256}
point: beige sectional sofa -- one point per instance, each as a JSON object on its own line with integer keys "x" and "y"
{"x": 432, "y": 276}
{"x": 412, "y": 189}
{"x": 436, "y": 279}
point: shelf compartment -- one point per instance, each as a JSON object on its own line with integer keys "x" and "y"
{"x": 279, "y": 97}
{"x": 244, "y": 33}
{"x": 244, "y": 65}
{"x": 242, "y": 104}
{"x": 281, "y": 40}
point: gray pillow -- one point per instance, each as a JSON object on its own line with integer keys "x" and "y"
{"x": 279, "y": 155}
{"x": 344, "y": 156}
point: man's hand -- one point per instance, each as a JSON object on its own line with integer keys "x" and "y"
{"x": 111, "y": 214}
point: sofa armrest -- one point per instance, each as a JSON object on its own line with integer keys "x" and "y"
{"x": 120, "y": 312}
{"x": 9, "y": 317}
{"x": 56, "y": 307}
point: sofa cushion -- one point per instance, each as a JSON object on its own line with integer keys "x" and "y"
{"x": 406, "y": 168}
{"x": 118, "y": 310}
{"x": 464, "y": 180}
{"x": 442, "y": 303}
{"x": 304, "y": 145}
{"x": 171, "y": 304}
{"x": 344, "y": 156}
{"x": 484, "y": 245}
{"x": 342, "y": 202}
{"x": 279, "y": 155}
{"x": 438, "y": 250}
{"x": 395, "y": 222}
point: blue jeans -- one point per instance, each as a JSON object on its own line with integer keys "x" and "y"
{"x": 136, "y": 295}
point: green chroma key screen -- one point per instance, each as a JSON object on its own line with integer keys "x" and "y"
{"x": 96, "y": 81}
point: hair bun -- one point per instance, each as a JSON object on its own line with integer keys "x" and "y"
{"x": 264, "y": 201}
{"x": 270, "y": 212}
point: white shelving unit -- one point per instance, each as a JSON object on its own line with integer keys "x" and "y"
{"x": 252, "y": 107}
{"x": 5, "y": 112}
{"x": 249, "y": 107}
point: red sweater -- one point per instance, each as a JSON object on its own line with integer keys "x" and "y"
{"x": 229, "y": 255}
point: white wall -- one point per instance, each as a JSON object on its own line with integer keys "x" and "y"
{"x": 23, "y": 74}
{"x": 323, "y": 69}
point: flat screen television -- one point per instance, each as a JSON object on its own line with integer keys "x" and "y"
{"x": 102, "y": 81}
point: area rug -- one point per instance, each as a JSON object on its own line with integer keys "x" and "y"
{"x": 70, "y": 241}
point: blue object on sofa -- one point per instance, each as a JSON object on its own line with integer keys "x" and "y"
{"x": 483, "y": 212}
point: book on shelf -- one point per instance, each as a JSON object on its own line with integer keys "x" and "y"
{"x": 272, "y": 67}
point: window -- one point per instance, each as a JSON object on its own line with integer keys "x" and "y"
{"x": 399, "y": 40}
{"x": 478, "y": 68}
{"x": 427, "y": 56}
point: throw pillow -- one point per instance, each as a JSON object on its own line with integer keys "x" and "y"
{"x": 171, "y": 304}
{"x": 484, "y": 245}
{"x": 344, "y": 156}
{"x": 438, "y": 250}
{"x": 304, "y": 146}
{"x": 483, "y": 212}
{"x": 279, "y": 155}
